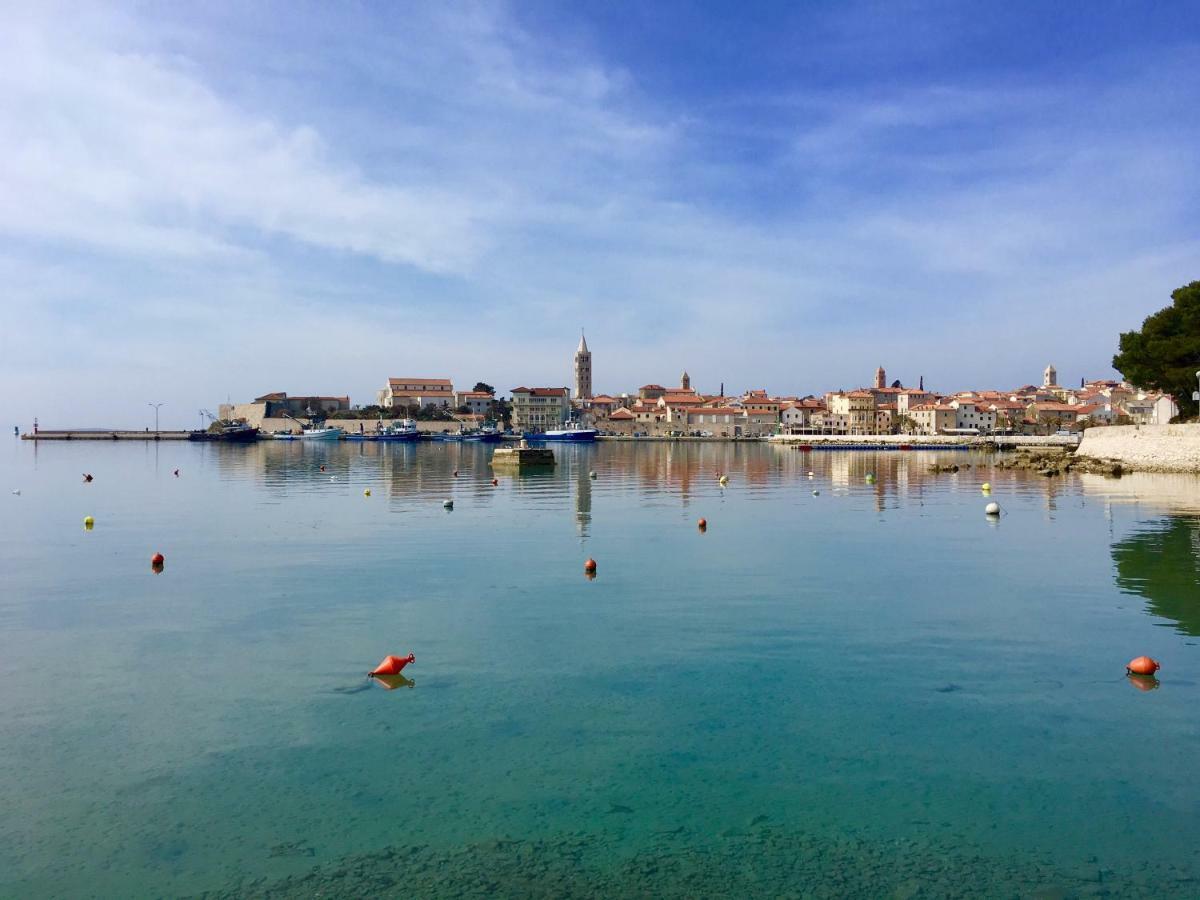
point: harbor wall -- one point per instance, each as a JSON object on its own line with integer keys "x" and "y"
{"x": 1149, "y": 448}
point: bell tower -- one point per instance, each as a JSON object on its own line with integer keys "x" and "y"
{"x": 1050, "y": 376}
{"x": 583, "y": 370}
{"x": 880, "y": 378}
{"x": 685, "y": 382}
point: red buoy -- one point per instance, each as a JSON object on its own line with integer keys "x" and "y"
{"x": 322, "y": 468}
{"x": 590, "y": 565}
{"x": 176, "y": 473}
{"x": 392, "y": 665}
{"x": 456, "y": 473}
{"x": 157, "y": 559}
{"x": 703, "y": 523}
{"x": 87, "y": 477}
{"x": 494, "y": 482}
{"x": 1143, "y": 665}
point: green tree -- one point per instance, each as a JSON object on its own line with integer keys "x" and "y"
{"x": 1165, "y": 354}
{"x": 485, "y": 387}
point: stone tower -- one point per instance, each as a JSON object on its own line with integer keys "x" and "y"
{"x": 1050, "y": 376}
{"x": 880, "y": 378}
{"x": 583, "y": 370}
{"x": 685, "y": 382}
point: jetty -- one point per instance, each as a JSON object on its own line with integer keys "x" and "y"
{"x": 103, "y": 434}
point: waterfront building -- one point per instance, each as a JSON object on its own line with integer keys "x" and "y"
{"x": 416, "y": 392}
{"x": 478, "y": 403}
{"x": 970, "y": 416}
{"x": 278, "y": 405}
{"x": 583, "y": 370}
{"x": 540, "y": 409}
{"x": 858, "y": 407}
{"x": 934, "y": 418}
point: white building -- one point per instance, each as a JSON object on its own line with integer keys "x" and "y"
{"x": 540, "y": 409}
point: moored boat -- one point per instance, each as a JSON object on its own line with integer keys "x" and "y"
{"x": 571, "y": 431}
{"x": 332, "y": 433}
{"x": 231, "y": 432}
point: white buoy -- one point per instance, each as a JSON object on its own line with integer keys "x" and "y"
{"x": 816, "y": 493}
{"x": 992, "y": 509}
{"x": 17, "y": 492}
{"x": 592, "y": 473}
{"x": 333, "y": 478}
{"x": 810, "y": 474}
{"x": 448, "y": 504}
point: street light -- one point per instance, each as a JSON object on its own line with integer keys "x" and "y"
{"x": 156, "y": 406}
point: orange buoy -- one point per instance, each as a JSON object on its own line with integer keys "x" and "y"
{"x": 392, "y": 665}
{"x": 590, "y": 565}
{"x": 703, "y": 524}
{"x": 1143, "y": 665}
{"x": 157, "y": 559}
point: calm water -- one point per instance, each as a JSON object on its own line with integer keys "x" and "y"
{"x": 874, "y": 691}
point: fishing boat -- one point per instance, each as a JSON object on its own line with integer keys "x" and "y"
{"x": 232, "y": 432}
{"x": 331, "y": 433}
{"x": 571, "y": 431}
{"x": 476, "y": 435}
{"x": 405, "y": 430}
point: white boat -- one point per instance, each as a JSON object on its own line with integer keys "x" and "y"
{"x": 571, "y": 431}
{"x": 321, "y": 434}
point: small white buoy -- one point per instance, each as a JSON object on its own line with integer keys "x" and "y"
{"x": 17, "y": 492}
{"x": 592, "y": 473}
{"x": 992, "y": 509}
{"x": 333, "y": 478}
{"x": 366, "y": 492}
{"x": 816, "y": 493}
{"x": 448, "y": 504}
{"x": 810, "y": 474}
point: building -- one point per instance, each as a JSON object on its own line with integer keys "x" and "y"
{"x": 934, "y": 418}
{"x": 540, "y": 409}
{"x": 583, "y": 370}
{"x": 477, "y": 403}
{"x": 651, "y": 391}
{"x": 1050, "y": 377}
{"x": 416, "y": 393}
{"x": 858, "y": 407}
{"x": 973, "y": 417}
{"x": 280, "y": 405}
{"x": 880, "y": 379}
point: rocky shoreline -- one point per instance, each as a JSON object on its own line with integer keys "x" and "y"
{"x": 1046, "y": 461}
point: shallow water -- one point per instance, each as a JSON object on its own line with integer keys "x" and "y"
{"x": 870, "y": 691}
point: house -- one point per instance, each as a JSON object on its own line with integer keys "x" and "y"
{"x": 478, "y": 403}
{"x": 858, "y": 407}
{"x": 723, "y": 421}
{"x": 416, "y": 393}
{"x": 540, "y": 409}
{"x": 934, "y": 418}
{"x": 1165, "y": 409}
{"x": 972, "y": 417}
{"x": 1053, "y": 414}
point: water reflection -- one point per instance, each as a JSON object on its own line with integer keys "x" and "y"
{"x": 1161, "y": 562}
{"x": 391, "y": 682}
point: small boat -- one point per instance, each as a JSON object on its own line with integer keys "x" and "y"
{"x": 571, "y": 431}
{"x": 332, "y": 433}
{"x": 398, "y": 431}
{"x": 231, "y": 432}
{"x": 477, "y": 435}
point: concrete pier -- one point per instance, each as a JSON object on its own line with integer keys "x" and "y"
{"x": 104, "y": 434}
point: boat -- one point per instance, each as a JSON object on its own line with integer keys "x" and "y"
{"x": 230, "y": 432}
{"x": 331, "y": 433}
{"x": 571, "y": 431}
{"x": 397, "y": 431}
{"x": 476, "y": 435}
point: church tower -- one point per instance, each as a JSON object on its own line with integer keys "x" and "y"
{"x": 880, "y": 378}
{"x": 583, "y": 370}
{"x": 685, "y": 383}
{"x": 1050, "y": 376}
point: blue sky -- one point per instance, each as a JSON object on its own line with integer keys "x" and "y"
{"x": 198, "y": 204}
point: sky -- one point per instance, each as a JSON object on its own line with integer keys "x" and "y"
{"x": 204, "y": 202}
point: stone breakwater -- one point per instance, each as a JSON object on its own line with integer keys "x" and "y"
{"x": 1145, "y": 448}
{"x": 755, "y": 861}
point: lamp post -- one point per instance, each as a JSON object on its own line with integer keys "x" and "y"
{"x": 156, "y": 406}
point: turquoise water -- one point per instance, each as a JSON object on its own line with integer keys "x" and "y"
{"x": 875, "y": 691}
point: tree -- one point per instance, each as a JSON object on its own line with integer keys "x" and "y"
{"x": 485, "y": 387}
{"x": 1165, "y": 354}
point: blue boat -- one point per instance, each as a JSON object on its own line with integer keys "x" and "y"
{"x": 571, "y": 431}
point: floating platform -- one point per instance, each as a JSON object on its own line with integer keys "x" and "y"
{"x": 522, "y": 457}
